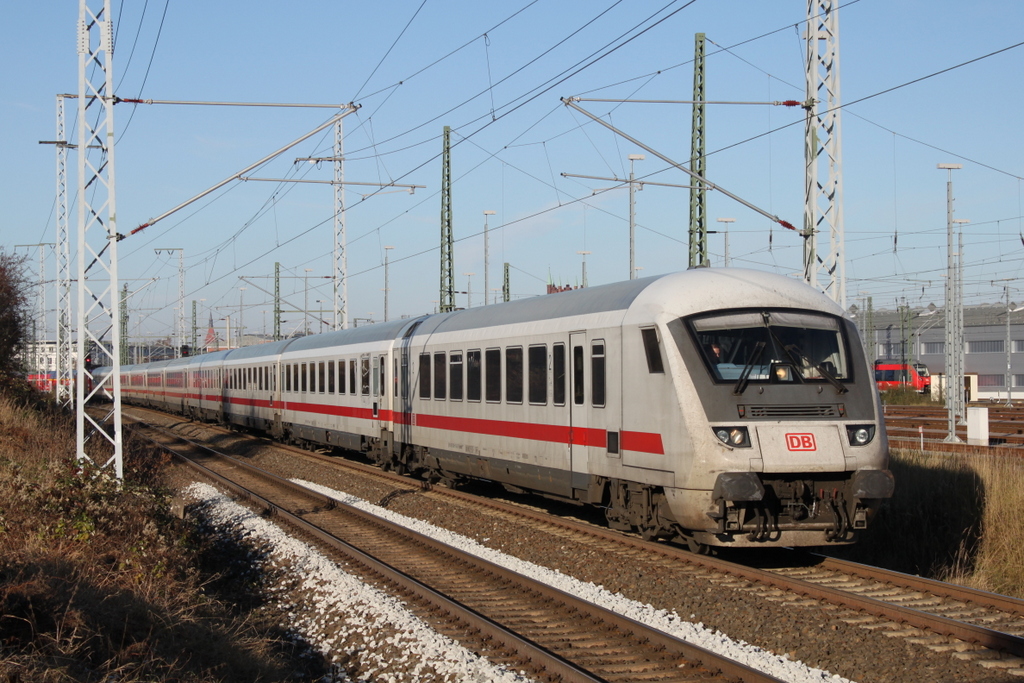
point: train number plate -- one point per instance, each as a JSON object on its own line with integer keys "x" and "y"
{"x": 801, "y": 442}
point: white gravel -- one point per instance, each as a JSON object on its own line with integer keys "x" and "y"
{"x": 350, "y": 615}
{"x": 360, "y": 610}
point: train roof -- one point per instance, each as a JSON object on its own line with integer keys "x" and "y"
{"x": 678, "y": 294}
{"x": 600, "y": 299}
{"x": 257, "y": 350}
{"x": 675, "y": 294}
{"x": 711, "y": 289}
{"x": 353, "y": 335}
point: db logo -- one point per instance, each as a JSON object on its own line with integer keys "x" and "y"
{"x": 801, "y": 442}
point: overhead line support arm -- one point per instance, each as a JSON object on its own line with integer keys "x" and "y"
{"x": 571, "y": 102}
{"x": 348, "y": 109}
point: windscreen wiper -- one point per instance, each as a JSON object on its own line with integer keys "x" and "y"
{"x": 840, "y": 388}
{"x": 755, "y": 358}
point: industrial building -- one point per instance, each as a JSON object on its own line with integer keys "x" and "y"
{"x": 919, "y": 334}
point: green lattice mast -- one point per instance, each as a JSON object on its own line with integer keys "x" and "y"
{"x": 447, "y": 300}
{"x": 698, "y": 163}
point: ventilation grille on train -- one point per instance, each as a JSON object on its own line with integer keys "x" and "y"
{"x": 816, "y": 410}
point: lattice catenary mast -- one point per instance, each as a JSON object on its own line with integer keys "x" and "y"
{"x": 823, "y": 190}
{"x": 447, "y": 301}
{"x": 99, "y": 303}
{"x": 65, "y": 371}
{"x": 698, "y": 162}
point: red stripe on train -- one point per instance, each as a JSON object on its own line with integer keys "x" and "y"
{"x": 637, "y": 442}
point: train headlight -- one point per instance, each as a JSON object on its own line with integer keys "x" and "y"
{"x": 782, "y": 372}
{"x": 736, "y": 437}
{"x": 860, "y": 435}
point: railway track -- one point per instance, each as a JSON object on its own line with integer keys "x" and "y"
{"x": 972, "y": 625}
{"x": 906, "y": 425}
{"x": 514, "y": 620}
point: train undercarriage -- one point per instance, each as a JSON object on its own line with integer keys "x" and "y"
{"x": 748, "y": 510}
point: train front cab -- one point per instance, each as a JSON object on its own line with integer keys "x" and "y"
{"x": 793, "y": 449}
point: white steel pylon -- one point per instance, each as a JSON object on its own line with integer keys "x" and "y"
{"x": 340, "y": 272}
{"x": 98, "y": 301}
{"x": 65, "y": 371}
{"x": 179, "y": 324}
{"x": 823, "y": 190}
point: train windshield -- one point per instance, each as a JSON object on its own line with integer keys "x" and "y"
{"x": 772, "y": 346}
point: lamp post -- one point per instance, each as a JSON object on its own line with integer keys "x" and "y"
{"x": 487, "y": 255}
{"x": 1009, "y": 350}
{"x": 202, "y": 304}
{"x": 469, "y": 289}
{"x": 632, "y": 215}
{"x": 241, "y": 326}
{"x": 1009, "y": 344}
{"x": 952, "y": 392}
{"x": 387, "y": 288}
{"x": 305, "y": 305}
{"x": 958, "y": 330}
{"x": 727, "y": 221}
{"x": 319, "y": 313}
{"x": 584, "y": 255}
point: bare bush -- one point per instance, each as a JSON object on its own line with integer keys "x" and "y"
{"x": 14, "y": 317}
{"x": 98, "y": 582}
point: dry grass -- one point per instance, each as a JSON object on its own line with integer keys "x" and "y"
{"x": 98, "y": 582}
{"x": 907, "y": 397}
{"x": 955, "y": 518}
{"x": 999, "y": 566}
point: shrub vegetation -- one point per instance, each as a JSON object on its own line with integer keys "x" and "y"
{"x": 98, "y": 582}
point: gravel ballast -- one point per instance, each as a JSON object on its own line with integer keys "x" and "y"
{"x": 794, "y": 630}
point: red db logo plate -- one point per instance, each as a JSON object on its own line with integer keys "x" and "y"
{"x": 801, "y": 442}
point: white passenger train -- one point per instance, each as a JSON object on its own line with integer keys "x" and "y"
{"x": 723, "y": 407}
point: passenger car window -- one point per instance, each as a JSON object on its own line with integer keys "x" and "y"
{"x": 492, "y": 358}
{"x": 455, "y": 376}
{"x": 514, "y": 374}
{"x": 424, "y": 375}
{"x": 473, "y": 375}
{"x": 538, "y": 374}
{"x": 558, "y": 374}
{"x": 652, "y": 349}
{"x": 440, "y": 360}
{"x": 597, "y": 378}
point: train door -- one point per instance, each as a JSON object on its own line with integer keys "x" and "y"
{"x": 366, "y": 376}
{"x": 380, "y": 365}
{"x": 578, "y": 413}
{"x": 382, "y": 407}
{"x": 404, "y": 387}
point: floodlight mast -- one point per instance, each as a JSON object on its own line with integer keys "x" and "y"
{"x": 953, "y": 391}
{"x": 487, "y": 254}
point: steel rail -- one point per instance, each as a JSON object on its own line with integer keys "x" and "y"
{"x": 541, "y": 657}
{"x": 551, "y": 661}
{"x": 943, "y": 625}
{"x": 938, "y": 624}
{"x": 1004, "y": 603}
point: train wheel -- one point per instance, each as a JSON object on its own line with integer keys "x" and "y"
{"x": 696, "y": 547}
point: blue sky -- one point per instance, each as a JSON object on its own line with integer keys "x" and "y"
{"x": 494, "y": 72}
